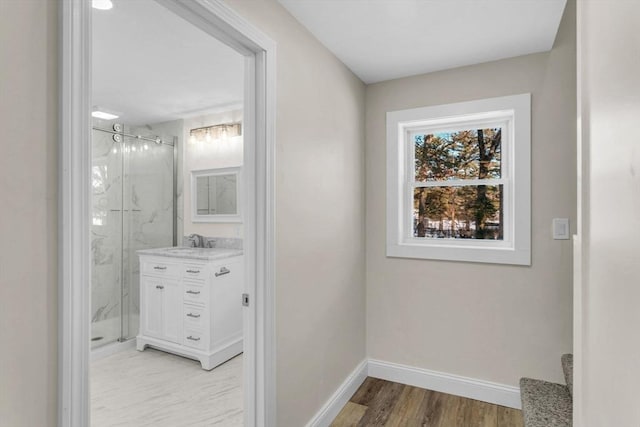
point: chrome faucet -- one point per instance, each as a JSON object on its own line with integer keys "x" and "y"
{"x": 195, "y": 240}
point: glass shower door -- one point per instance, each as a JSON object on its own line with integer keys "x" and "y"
{"x": 149, "y": 216}
{"x": 133, "y": 208}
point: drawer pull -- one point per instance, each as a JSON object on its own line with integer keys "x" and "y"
{"x": 195, "y": 316}
{"x": 193, "y": 292}
{"x": 223, "y": 271}
{"x": 159, "y": 287}
{"x": 193, "y": 271}
{"x": 158, "y": 267}
{"x": 193, "y": 338}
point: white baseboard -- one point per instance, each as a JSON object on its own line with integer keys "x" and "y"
{"x": 332, "y": 408}
{"x": 485, "y": 391}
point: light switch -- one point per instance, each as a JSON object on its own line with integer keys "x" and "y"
{"x": 561, "y": 229}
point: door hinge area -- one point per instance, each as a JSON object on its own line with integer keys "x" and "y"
{"x": 245, "y": 300}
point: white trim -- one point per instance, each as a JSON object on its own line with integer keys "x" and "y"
{"x": 217, "y": 19}
{"x": 516, "y": 246}
{"x": 471, "y": 388}
{"x": 195, "y": 174}
{"x": 74, "y": 250}
{"x": 112, "y": 348}
{"x": 580, "y": 248}
{"x": 330, "y": 410}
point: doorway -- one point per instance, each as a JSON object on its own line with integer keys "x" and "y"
{"x": 219, "y": 21}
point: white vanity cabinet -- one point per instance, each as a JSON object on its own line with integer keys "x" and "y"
{"x": 192, "y": 307}
{"x": 162, "y": 305}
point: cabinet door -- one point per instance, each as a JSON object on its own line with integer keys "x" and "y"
{"x": 151, "y": 309}
{"x": 172, "y": 311}
{"x": 227, "y": 285}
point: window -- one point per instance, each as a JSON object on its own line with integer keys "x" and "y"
{"x": 459, "y": 181}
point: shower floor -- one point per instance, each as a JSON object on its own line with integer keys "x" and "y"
{"x": 107, "y": 331}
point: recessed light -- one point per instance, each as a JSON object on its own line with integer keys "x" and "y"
{"x": 102, "y": 4}
{"x": 101, "y": 113}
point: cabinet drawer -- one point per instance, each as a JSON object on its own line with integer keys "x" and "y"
{"x": 194, "y": 317}
{"x": 194, "y": 339}
{"x": 195, "y": 293}
{"x": 159, "y": 268}
{"x": 194, "y": 272}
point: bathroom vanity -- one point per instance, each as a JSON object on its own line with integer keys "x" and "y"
{"x": 191, "y": 302}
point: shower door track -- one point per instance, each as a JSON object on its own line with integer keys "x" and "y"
{"x": 130, "y": 135}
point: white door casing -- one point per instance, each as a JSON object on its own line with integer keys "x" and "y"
{"x": 218, "y": 20}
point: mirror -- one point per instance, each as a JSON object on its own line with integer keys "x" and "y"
{"x": 215, "y": 195}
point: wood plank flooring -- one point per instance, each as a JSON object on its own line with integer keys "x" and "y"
{"x": 383, "y": 403}
{"x": 153, "y": 388}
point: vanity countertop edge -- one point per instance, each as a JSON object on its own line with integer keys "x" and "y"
{"x": 202, "y": 254}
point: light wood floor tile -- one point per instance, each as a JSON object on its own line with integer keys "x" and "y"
{"x": 379, "y": 403}
{"x": 382, "y": 405}
{"x": 508, "y": 417}
{"x": 350, "y": 415}
{"x": 409, "y": 403}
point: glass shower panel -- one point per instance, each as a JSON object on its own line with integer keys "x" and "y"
{"x": 106, "y": 238}
{"x": 148, "y": 216}
{"x": 133, "y": 208}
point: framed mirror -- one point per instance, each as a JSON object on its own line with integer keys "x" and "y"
{"x": 215, "y": 195}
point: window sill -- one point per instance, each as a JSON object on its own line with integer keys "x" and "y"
{"x": 490, "y": 254}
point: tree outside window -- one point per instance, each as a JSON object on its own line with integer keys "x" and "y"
{"x": 448, "y": 207}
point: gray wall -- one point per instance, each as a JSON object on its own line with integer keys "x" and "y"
{"x": 319, "y": 215}
{"x": 507, "y": 322}
{"x": 490, "y": 322}
{"x": 320, "y": 205}
{"x": 28, "y": 224}
{"x": 607, "y": 344}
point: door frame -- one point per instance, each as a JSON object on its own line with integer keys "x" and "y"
{"x": 74, "y": 263}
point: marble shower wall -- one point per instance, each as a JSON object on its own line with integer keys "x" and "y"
{"x": 132, "y": 209}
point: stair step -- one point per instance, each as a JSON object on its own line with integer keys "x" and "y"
{"x": 567, "y": 367}
{"x": 545, "y": 404}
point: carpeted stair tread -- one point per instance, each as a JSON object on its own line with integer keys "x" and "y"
{"x": 545, "y": 404}
{"x": 567, "y": 367}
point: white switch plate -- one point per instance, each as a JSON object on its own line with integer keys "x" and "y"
{"x": 561, "y": 229}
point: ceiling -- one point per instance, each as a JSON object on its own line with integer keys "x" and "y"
{"x": 151, "y": 66}
{"x": 387, "y": 39}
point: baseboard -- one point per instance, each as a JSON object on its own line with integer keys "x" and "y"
{"x": 485, "y": 391}
{"x": 332, "y": 408}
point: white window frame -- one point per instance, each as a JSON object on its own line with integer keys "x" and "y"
{"x": 513, "y": 115}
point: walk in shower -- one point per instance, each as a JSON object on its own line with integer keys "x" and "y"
{"x": 133, "y": 207}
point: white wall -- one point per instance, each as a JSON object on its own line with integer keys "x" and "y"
{"x": 28, "y": 219}
{"x": 320, "y": 315}
{"x": 209, "y": 155}
{"x": 485, "y": 321}
{"x": 608, "y": 350}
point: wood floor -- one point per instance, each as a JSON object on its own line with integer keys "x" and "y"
{"x": 383, "y": 403}
{"x": 153, "y": 388}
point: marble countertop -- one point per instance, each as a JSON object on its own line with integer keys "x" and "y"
{"x": 206, "y": 254}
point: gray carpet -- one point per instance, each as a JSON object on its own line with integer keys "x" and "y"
{"x": 567, "y": 368}
{"x": 545, "y": 404}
